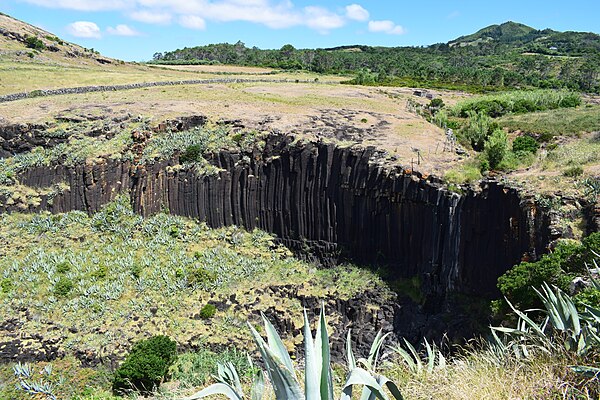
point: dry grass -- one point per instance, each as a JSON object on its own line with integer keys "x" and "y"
{"x": 476, "y": 376}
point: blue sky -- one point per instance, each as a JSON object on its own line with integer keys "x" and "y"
{"x": 134, "y": 30}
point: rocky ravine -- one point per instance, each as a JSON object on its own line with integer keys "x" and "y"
{"x": 332, "y": 203}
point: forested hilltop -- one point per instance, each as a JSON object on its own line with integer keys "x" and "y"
{"x": 496, "y": 57}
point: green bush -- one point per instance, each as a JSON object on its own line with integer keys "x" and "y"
{"x": 590, "y": 297}
{"x": 477, "y": 129}
{"x": 525, "y": 143}
{"x": 573, "y": 171}
{"x": 558, "y": 268}
{"x": 496, "y": 147}
{"x": 33, "y": 42}
{"x": 63, "y": 287}
{"x": 200, "y": 276}
{"x": 208, "y": 311}
{"x": 101, "y": 272}
{"x": 63, "y": 267}
{"x": 191, "y": 154}
{"x": 146, "y": 366}
{"x": 6, "y": 285}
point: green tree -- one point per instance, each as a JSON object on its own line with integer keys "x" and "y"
{"x": 496, "y": 147}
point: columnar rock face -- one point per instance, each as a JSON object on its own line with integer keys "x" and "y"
{"x": 333, "y": 204}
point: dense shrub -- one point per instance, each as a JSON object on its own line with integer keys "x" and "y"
{"x": 525, "y": 144}
{"x": 558, "y": 268}
{"x": 63, "y": 267}
{"x": 496, "y": 147}
{"x": 6, "y": 285}
{"x": 573, "y": 171}
{"x": 200, "y": 276}
{"x": 590, "y": 297}
{"x": 477, "y": 129}
{"x": 192, "y": 153}
{"x": 517, "y": 102}
{"x": 34, "y": 43}
{"x": 63, "y": 287}
{"x": 208, "y": 311}
{"x": 146, "y": 366}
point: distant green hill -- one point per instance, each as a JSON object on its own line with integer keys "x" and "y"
{"x": 520, "y": 37}
{"x": 509, "y": 55}
{"x": 506, "y": 32}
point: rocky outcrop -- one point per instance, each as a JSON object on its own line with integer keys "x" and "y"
{"x": 329, "y": 203}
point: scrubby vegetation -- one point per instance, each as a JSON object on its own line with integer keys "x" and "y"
{"x": 517, "y": 102}
{"x": 566, "y": 262}
{"x": 146, "y": 366}
{"x": 511, "y": 57}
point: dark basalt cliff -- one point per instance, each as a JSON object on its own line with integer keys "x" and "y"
{"x": 329, "y": 203}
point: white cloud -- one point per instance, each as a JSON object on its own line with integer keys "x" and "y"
{"x": 321, "y": 19}
{"x": 192, "y": 22}
{"x": 150, "y": 17}
{"x": 84, "y": 5}
{"x": 122, "y": 30}
{"x": 84, "y": 29}
{"x": 386, "y": 26}
{"x": 356, "y": 12}
{"x": 275, "y": 14}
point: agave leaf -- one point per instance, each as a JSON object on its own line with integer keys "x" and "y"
{"x": 376, "y": 348}
{"x": 592, "y": 314}
{"x": 311, "y": 369}
{"x": 416, "y": 356}
{"x": 349, "y": 353}
{"x": 391, "y": 386}
{"x": 527, "y": 320}
{"x": 226, "y": 373}
{"x": 276, "y": 344}
{"x": 258, "y": 386}
{"x": 284, "y": 381}
{"x": 326, "y": 381}
{"x": 430, "y": 356}
{"x": 407, "y": 358}
{"x": 588, "y": 372}
{"x": 441, "y": 360}
{"x": 359, "y": 376}
{"x": 217, "y": 388}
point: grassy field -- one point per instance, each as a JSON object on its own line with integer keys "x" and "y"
{"x": 555, "y": 122}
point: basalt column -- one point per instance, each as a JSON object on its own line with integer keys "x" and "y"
{"x": 335, "y": 202}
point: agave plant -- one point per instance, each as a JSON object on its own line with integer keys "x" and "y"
{"x": 580, "y": 331}
{"x": 416, "y": 363}
{"x": 318, "y": 382}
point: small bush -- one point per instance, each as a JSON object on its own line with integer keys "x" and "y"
{"x": 208, "y": 311}
{"x": 63, "y": 267}
{"x": 146, "y": 366}
{"x": 200, "y": 276}
{"x": 436, "y": 103}
{"x": 101, "y": 272}
{"x": 557, "y": 268}
{"x": 33, "y": 42}
{"x": 573, "y": 172}
{"x": 477, "y": 129}
{"x": 191, "y": 154}
{"x": 590, "y": 297}
{"x": 6, "y": 285}
{"x": 496, "y": 147}
{"x": 526, "y": 144}
{"x": 63, "y": 287}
